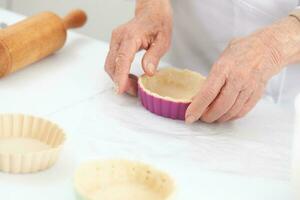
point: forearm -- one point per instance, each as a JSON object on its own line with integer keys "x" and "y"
{"x": 283, "y": 38}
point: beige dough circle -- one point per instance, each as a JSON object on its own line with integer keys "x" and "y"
{"x": 21, "y": 146}
{"x": 173, "y": 84}
{"x": 120, "y": 180}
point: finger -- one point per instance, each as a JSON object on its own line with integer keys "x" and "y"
{"x": 222, "y": 103}
{"x": 110, "y": 63}
{"x": 112, "y": 55}
{"x": 152, "y": 56}
{"x": 207, "y": 94}
{"x": 250, "y": 103}
{"x": 132, "y": 85}
{"x": 237, "y": 106}
{"x": 125, "y": 56}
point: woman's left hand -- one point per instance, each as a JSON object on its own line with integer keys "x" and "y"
{"x": 236, "y": 82}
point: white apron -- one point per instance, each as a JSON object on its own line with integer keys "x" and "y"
{"x": 203, "y": 28}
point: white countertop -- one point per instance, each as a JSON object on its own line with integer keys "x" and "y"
{"x": 247, "y": 159}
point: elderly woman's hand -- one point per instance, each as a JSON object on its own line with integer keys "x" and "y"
{"x": 238, "y": 78}
{"x": 150, "y": 29}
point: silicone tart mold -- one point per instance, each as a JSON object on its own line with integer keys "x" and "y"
{"x": 170, "y": 91}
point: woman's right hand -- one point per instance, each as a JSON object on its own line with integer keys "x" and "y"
{"x": 151, "y": 30}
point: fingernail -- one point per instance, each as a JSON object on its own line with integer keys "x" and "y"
{"x": 189, "y": 119}
{"x": 117, "y": 88}
{"x": 151, "y": 68}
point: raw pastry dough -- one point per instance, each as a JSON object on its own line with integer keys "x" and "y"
{"x": 21, "y": 145}
{"x": 173, "y": 84}
{"x": 28, "y": 144}
{"x": 120, "y": 180}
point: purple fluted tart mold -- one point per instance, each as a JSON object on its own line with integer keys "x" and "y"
{"x": 170, "y": 91}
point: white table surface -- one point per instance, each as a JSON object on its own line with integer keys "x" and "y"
{"x": 248, "y": 159}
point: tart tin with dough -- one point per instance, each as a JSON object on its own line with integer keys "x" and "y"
{"x": 28, "y": 144}
{"x": 170, "y": 91}
{"x": 122, "y": 179}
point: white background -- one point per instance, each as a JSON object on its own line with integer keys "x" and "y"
{"x": 101, "y": 19}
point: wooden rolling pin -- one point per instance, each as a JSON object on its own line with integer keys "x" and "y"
{"x": 35, "y": 38}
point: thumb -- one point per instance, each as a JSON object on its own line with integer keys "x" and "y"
{"x": 153, "y": 55}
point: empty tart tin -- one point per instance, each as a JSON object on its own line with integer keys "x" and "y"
{"x": 169, "y": 91}
{"x": 122, "y": 179}
{"x": 28, "y": 144}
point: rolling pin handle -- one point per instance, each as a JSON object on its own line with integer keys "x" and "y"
{"x": 75, "y": 19}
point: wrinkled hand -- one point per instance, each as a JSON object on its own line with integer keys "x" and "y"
{"x": 238, "y": 78}
{"x": 149, "y": 30}
{"x": 236, "y": 82}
